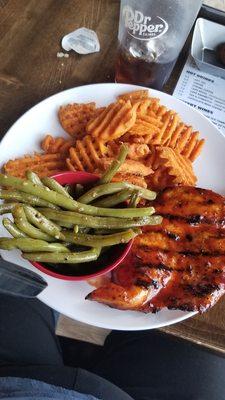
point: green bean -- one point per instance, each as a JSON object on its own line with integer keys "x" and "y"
{"x": 99, "y": 231}
{"x": 54, "y": 185}
{"x": 22, "y": 223}
{"x": 34, "y": 178}
{"x": 31, "y": 245}
{"x": 82, "y": 229}
{"x": 12, "y": 228}
{"x": 115, "y": 165}
{"x": 135, "y": 198}
{"x": 110, "y": 188}
{"x": 114, "y": 200}
{"x": 103, "y": 240}
{"x": 42, "y": 192}
{"x": 65, "y": 224}
{"x": 41, "y": 222}
{"x": 21, "y": 197}
{"x": 69, "y": 190}
{"x": 70, "y": 258}
{"x": 70, "y": 204}
{"x": 6, "y": 208}
{"x": 100, "y": 222}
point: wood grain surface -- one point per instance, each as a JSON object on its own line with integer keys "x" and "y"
{"x": 30, "y": 36}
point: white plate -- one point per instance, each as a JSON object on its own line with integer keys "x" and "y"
{"x": 24, "y": 137}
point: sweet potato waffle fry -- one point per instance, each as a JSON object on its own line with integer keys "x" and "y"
{"x": 42, "y": 164}
{"x": 167, "y": 131}
{"x": 171, "y": 120}
{"x": 178, "y": 166}
{"x": 113, "y": 122}
{"x": 146, "y": 126}
{"x": 161, "y": 146}
{"x": 74, "y": 117}
{"x": 134, "y": 96}
{"x": 134, "y": 179}
{"x": 170, "y": 168}
{"x": 148, "y": 107}
{"x": 185, "y": 141}
{"x": 51, "y": 145}
{"x": 137, "y": 152}
{"x": 129, "y": 167}
{"x": 160, "y": 179}
{"x": 86, "y": 155}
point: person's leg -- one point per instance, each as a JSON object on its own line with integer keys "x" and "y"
{"x": 29, "y": 348}
{"x": 27, "y": 333}
{"x": 76, "y": 379}
{"x": 87, "y": 382}
{"x": 152, "y": 365}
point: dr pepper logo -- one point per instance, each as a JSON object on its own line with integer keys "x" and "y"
{"x": 143, "y": 27}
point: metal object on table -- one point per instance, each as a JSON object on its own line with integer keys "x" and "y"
{"x": 206, "y": 38}
{"x": 18, "y": 281}
{"x": 208, "y": 13}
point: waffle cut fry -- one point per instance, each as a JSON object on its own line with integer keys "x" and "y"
{"x": 86, "y": 155}
{"x": 161, "y": 146}
{"x": 134, "y": 179}
{"x": 186, "y": 142}
{"x": 160, "y": 179}
{"x": 172, "y": 133}
{"x": 134, "y": 96}
{"x": 129, "y": 167}
{"x": 171, "y": 121}
{"x": 113, "y": 122}
{"x": 137, "y": 152}
{"x": 74, "y": 117}
{"x": 179, "y": 168}
{"x": 52, "y": 145}
{"x": 154, "y": 125}
{"x": 148, "y": 107}
{"x": 146, "y": 126}
{"x": 42, "y": 164}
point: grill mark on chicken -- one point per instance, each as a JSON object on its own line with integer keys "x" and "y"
{"x": 173, "y": 261}
{"x": 180, "y": 263}
{"x": 192, "y": 204}
{"x": 201, "y": 244}
{"x": 194, "y": 219}
{"x": 132, "y": 296}
{"x": 187, "y": 293}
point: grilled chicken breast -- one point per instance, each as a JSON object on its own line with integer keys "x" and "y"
{"x": 179, "y": 264}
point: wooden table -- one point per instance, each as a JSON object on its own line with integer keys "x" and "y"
{"x": 30, "y": 35}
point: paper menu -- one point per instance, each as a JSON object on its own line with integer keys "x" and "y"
{"x": 202, "y": 91}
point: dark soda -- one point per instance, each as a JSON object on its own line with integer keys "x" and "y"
{"x": 138, "y": 71}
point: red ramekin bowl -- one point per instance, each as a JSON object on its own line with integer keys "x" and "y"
{"x": 110, "y": 259}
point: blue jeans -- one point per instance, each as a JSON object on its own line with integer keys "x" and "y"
{"x": 147, "y": 365}
{"x": 29, "y": 348}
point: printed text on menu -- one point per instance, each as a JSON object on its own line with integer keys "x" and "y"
{"x": 204, "y": 92}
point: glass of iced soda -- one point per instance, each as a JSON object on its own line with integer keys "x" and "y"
{"x": 151, "y": 36}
